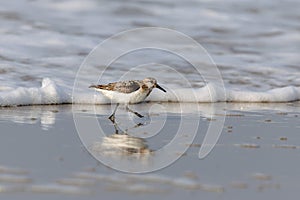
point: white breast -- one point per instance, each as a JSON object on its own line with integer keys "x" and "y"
{"x": 125, "y": 98}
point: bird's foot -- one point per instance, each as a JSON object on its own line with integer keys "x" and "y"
{"x": 136, "y": 113}
{"x": 112, "y": 118}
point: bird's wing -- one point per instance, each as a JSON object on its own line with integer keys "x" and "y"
{"x": 122, "y": 87}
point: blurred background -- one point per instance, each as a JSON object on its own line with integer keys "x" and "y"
{"x": 255, "y": 44}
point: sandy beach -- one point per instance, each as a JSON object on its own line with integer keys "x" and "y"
{"x": 255, "y": 157}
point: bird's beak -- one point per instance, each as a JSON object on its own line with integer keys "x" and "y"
{"x": 162, "y": 89}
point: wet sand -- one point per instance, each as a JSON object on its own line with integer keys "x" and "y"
{"x": 256, "y": 156}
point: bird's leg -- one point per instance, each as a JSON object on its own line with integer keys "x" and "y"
{"x": 115, "y": 125}
{"x": 116, "y": 128}
{"x": 112, "y": 116}
{"x": 136, "y": 113}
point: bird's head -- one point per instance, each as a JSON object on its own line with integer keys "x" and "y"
{"x": 152, "y": 83}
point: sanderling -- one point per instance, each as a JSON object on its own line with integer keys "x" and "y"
{"x": 128, "y": 92}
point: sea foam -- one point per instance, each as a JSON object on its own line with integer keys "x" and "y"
{"x": 51, "y": 93}
{"x": 48, "y": 93}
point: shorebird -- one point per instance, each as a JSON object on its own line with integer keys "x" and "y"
{"x": 128, "y": 92}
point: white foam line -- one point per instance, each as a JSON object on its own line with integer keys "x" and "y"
{"x": 51, "y": 93}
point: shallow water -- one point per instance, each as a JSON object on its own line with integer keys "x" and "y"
{"x": 255, "y": 46}
{"x": 255, "y": 157}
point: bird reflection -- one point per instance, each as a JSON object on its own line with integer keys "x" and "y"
{"x": 121, "y": 143}
{"x": 124, "y": 144}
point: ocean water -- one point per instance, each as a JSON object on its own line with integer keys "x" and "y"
{"x": 255, "y": 46}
